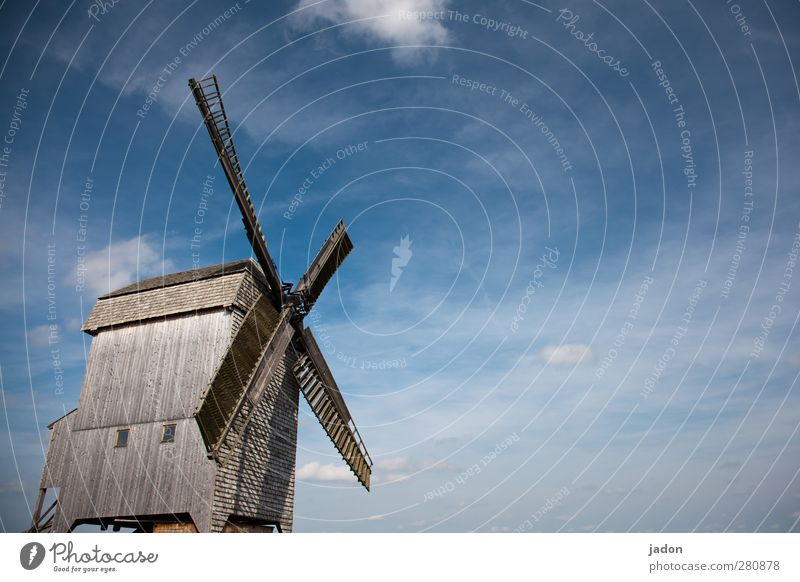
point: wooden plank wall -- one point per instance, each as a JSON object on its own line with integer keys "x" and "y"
{"x": 246, "y": 295}
{"x": 257, "y": 480}
{"x": 154, "y": 371}
{"x": 138, "y": 377}
{"x": 145, "y": 478}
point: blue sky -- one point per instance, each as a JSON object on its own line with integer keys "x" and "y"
{"x": 594, "y": 329}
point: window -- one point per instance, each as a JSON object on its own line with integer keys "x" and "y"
{"x": 168, "y": 433}
{"x": 121, "y": 438}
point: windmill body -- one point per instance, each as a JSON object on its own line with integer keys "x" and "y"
{"x": 187, "y": 419}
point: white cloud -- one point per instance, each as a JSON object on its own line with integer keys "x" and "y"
{"x": 39, "y": 336}
{"x": 393, "y": 464}
{"x": 566, "y": 354}
{"x": 385, "y": 470}
{"x": 122, "y": 263}
{"x": 315, "y": 471}
{"x": 389, "y": 21}
{"x": 11, "y": 486}
{"x": 399, "y": 468}
{"x": 615, "y": 490}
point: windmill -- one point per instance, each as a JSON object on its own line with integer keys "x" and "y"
{"x": 187, "y": 419}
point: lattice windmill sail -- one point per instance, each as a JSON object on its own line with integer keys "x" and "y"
{"x": 187, "y": 419}
{"x": 219, "y": 422}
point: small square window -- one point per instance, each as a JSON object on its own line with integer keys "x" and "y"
{"x": 168, "y": 433}
{"x": 121, "y": 438}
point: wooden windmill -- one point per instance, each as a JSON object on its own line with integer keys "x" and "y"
{"x": 187, "y": 419}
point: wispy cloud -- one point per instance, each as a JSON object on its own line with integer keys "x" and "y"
{"x": 393, "y": 22}
{"x": 123, "y": 262}
{"x": 566, "y": 354}
{"x": 315, "y": 471}
{"x": 403, "y": 467}
{"x": 39, "y": 336}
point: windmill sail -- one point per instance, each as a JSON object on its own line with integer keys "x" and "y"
{"x": 224, "y": 410}
{"x": 235, "y": 390}
{"x": 332, "y": 254}
{"x": 209, "y": 100}
{"x": 325, "y": 399}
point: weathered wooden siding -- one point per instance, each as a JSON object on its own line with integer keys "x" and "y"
{"x": 53, "y": 472}
{"x": 152, "y": 371}
{"x": 246, "y": 295}
{"x": 257, "y": 479}
{"x": 143, "y": 374}
{"x": 145, "y": 478}
{"x": 232, "y": 378}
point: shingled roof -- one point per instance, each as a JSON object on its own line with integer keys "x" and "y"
{"x": 189, "y": 276}
{"x": 177, "y": 293}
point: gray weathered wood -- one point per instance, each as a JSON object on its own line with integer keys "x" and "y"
{"x": 151, "y": 371}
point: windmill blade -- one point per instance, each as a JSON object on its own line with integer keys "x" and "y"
{"x": 209, "y": 100}
{"x": 332, "y": 254}
{"x": 325, "y": 399}
{"x": 311, "y": 347}
{"x": 223, "y": 412}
